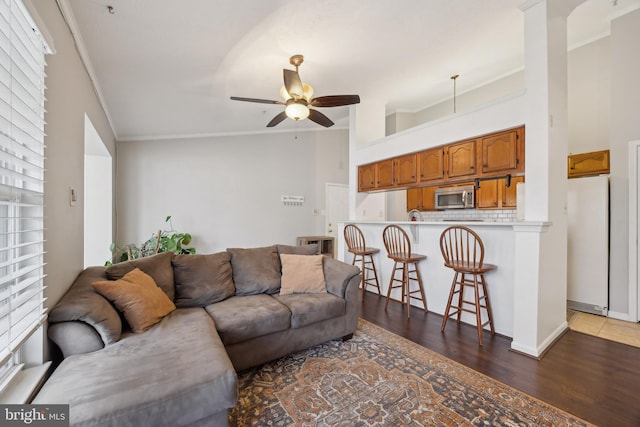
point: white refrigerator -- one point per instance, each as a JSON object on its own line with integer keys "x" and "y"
{"x": 588, "y": 244}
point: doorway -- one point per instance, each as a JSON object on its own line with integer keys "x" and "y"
{"x": 337, "y": 207}
{"x": 98, "y": 197}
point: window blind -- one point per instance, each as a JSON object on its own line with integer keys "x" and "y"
{"x": 22, "y": 87}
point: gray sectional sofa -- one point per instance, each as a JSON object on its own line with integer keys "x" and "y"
{"x": 233, "y": 310}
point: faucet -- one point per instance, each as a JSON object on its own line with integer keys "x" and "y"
{"x": 411, "y": 216}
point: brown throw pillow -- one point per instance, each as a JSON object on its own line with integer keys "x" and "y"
{"x": 202, "y": 279}
{"x": 255, "y": 270}
{"x": 138, "y": 297}
{"x": 157, "y": 266}
{"x": 302, "y": 274}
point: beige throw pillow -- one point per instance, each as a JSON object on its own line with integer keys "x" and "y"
{"x": 302, "y": 274}
{"x": 138, "y": 297}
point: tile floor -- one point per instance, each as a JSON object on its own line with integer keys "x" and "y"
{"x": 605, "y": 327}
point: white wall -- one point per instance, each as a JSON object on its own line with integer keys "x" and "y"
{"x": 625, "y": 127}
{"x": 226, "y": 191}
{"x": 470, "y": 98}
{"x": 69, "y": 96}
{"x": 502, "y": 114}
{"x": 589, "y": 70}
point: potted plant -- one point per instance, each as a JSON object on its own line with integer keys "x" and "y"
{"x": 161, "y": 241}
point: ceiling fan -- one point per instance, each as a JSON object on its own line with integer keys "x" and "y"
{"x": 297, "y": 98}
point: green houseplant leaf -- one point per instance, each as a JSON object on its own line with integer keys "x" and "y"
{"x": 161, "y": 241}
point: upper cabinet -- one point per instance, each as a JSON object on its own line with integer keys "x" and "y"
{"x": 367, "y": 177}
{"x": 384, "y": 174}
{"x": 491, "y": 155}
{"x": 406, "y": 169}
{"x": 388, "y": 173}
{"x": 502, "y": 152}
{"x": 461, "y": 159}
{"x": 449, "y": 162}
{"x": 593, "y": 163}
{"x": 431, "y": 164}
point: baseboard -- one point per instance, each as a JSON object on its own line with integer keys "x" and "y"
{"x": 539, "y": 351}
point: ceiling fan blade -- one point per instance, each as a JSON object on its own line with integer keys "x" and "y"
{"x": 261, "y": 101}
{"x": 292, "y": 83}
{"x": 335, "y": 100}
{"x": 319, "y": 118}
{"x": 277, "y": 119}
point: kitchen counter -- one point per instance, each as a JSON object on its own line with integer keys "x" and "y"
{"x": 499, "y": 243}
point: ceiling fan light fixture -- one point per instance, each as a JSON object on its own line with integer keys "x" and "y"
{"x": 284, "y": 94}
{"x": 307, "y": 92}
{"x": 298, "y": 96}
{"x": 297, "y": 111}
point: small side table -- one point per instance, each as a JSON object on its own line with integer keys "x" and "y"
{"x": 325, "y": 244}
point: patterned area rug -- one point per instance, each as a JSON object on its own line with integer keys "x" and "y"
{"x": 379, "y": 378}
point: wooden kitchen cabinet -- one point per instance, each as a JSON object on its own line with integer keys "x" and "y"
{"x": 422, "y": 199}
{"x": 461, "y": 159}
{"x": 494, "y": 193}
{"x": 431, "y": 163}
{"x": 384, "y": 174}
{"x": 414, "y": 198}
{"x": 510, "y": 194}
{"x": 389, "y": 173}
{"x": 486, "y": 156}
{"x": 502, "y": 152}
{"x": 487, "y": 195}
{"x": 448, "y": 162}
{"x": 367, "y": 177}
{"x": 593, "y": 163}
{"x": 406, "y": 169}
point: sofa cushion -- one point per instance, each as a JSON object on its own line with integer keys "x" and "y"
{"x": 174, "y": 374}
{"x": 302, "y": 274}
{"x": 241, "y": 318}
{"x": 310, "y": 249}
{"x": 138, "y": 297}
{"x": 312, "y": 308}
{"x": 255, "y": 270}
{"x": 157, "y": 266}
{"x": 202, "y": 279}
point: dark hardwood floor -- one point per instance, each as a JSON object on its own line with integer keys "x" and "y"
{"x": 595, "y": 379}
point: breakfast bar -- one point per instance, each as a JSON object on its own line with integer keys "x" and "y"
{"x": 499, "y": 243}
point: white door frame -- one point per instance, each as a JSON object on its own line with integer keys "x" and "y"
{"x": 634, "y": 212}
{"x": 330, "y": 193}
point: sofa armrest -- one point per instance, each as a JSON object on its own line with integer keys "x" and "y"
{"x": 75, "y": 337}
{"x": 82, "y": 303}
{"x": 337, "y": 275}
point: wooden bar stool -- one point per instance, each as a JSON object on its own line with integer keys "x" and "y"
{"x": 463, "y": 251}
{"x": 398, "y": 248}
{"x": 361, "y": 253}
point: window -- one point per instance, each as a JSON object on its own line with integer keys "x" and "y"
{"x": 22, "y": 75}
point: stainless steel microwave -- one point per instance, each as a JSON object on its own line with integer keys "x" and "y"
{"x": 461, "y": 197}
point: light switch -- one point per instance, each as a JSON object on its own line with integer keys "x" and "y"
{"x": 73, "y": 197}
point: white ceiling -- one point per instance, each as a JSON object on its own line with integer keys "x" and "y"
{"x": 167, "y": 68}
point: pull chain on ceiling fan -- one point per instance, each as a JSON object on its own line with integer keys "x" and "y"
{"x": 297, "y": 98}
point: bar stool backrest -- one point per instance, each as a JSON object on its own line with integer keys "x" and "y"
{"x": 461, "y": 246}
{"x": 354, "y": 238}
{"x": 396, "y": 241}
